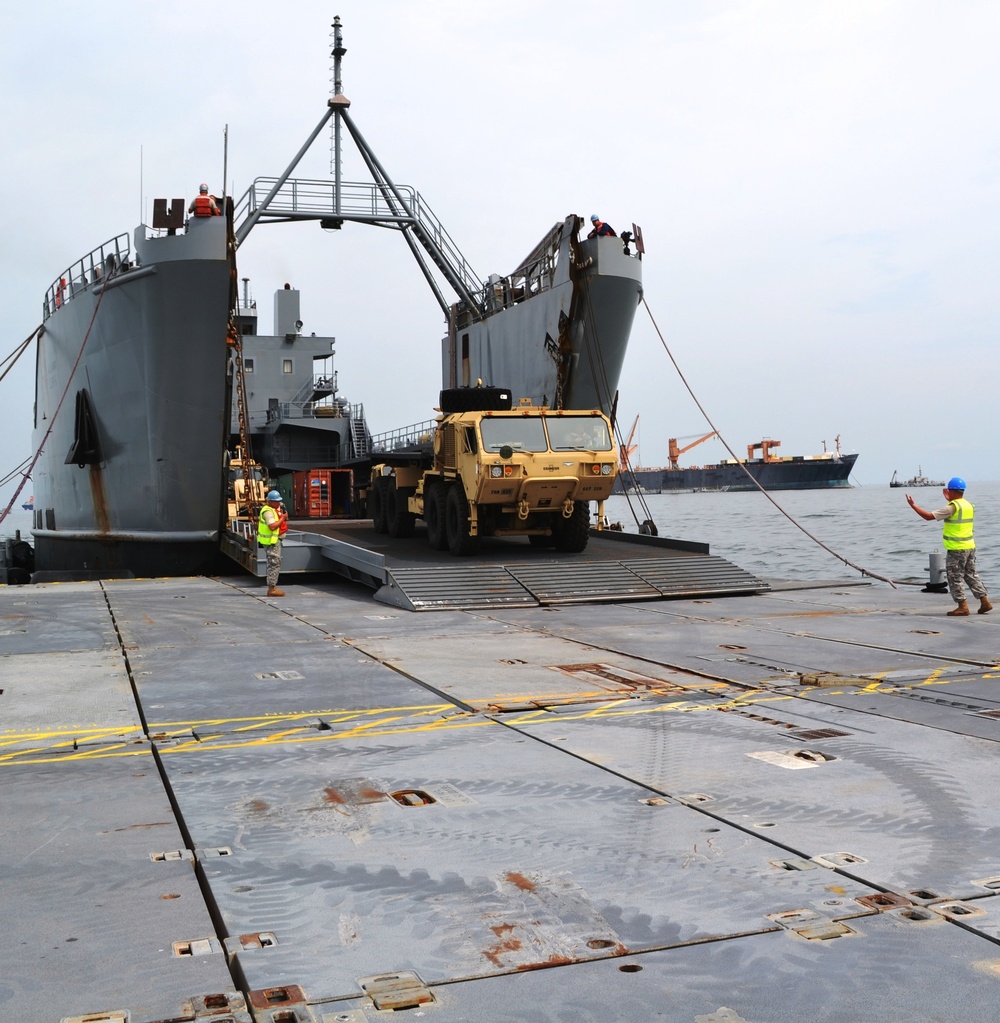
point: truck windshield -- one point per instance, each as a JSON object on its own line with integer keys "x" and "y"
{"x": 578, "y": 433}
{"x": 522, "y": 434}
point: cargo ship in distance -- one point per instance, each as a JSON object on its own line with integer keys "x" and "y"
{"x": 825, "y": 471}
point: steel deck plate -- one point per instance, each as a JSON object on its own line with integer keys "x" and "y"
{"x": 615, "y": 786}
{"x": 503, "y": 855}
{"x": 92, "y": 922}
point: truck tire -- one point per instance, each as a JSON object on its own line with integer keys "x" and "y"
{"x": 475, "y": 399}
{"x": 377, "y": 499}
{"x": 571, "y": 535}
{"x": 434, "y": 516}
{"x": 398, "y": 515}
{"x": 456, "y": 518}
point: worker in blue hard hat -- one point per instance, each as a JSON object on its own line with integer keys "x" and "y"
{"x": 272, "y": 523}
{"x": 960, "y": 559}
{"x": 601, "y": 229}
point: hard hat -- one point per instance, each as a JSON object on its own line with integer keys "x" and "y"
{"x": 203, "y": 187}
{"x": 594, "y": 218}
{"x": 956, "y": 483}
{"x": 273, "y": 495}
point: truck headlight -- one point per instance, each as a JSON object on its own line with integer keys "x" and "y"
{"x": 606, "y": 469}
{"x": 496, "y": 471}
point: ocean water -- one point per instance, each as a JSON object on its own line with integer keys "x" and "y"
{"x": 873, "y": 527}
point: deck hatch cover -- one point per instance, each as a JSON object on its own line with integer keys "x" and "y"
{"x": 394, "y": 991}
{"x": 817, "y": 733}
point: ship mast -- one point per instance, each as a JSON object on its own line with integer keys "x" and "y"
{"x": 388, "y": 205}
{"x": 338, "y": 90}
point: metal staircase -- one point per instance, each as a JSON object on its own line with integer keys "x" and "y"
{"x": 359, "y": 435}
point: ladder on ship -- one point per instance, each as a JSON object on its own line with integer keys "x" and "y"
{"x": 359, "y": 437}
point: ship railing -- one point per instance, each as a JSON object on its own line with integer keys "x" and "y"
{"x": 417, "y": 435}
{"x": 318, "y": 382}
{"x": 107, "y": 259}
{"x": 535, "y": 275}
{"x": 360, "y": 202}
{"x": 309, "y": 455}
{"x": 242, "y": 528}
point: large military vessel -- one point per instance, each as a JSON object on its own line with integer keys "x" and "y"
{"x": 139, "y": 333}
{"x": 131, "y": 399}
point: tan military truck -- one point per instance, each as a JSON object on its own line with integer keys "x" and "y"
{"x": 498, "y": 470}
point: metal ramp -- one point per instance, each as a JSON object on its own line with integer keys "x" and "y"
{"x": 508, "y": 576}
{"x": 477, "y": 586}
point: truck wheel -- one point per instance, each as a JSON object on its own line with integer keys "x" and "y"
{"x": 456, "y": 519}
{"x": 571, "y": 535}
{"x": 377, "y": 497}
{"x": 434, "y": 516}
{"x": 398, "y": 516}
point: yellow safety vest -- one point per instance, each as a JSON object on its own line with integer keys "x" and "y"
{"x": 265, "y": 534}
{"x": 957, "y": 529}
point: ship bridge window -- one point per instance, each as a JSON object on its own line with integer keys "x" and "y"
{"x": 286, "y": 365}
{"x": 248, "y": 365}
{"x": 521, "y": 434}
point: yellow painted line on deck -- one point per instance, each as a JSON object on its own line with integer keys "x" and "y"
{"x": 241, "y": 732}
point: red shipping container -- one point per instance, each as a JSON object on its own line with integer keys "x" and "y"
{"x": 322, "y": 493}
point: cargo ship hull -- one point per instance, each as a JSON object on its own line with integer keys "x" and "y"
{"x": 796, "y": 473}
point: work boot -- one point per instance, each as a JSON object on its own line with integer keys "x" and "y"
{"x": 273, "y": 591}
{"x": 961, "y": 611}
{"x": 985, "y": 607}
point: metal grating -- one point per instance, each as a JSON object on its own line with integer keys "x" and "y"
{"x": 476, "y": 585}
{"x": 696, "y": 576}
{"x": 456, "y": 586}
{"x": 587, "y": 582}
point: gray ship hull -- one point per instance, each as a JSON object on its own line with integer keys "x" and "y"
{"x": 556, "y": 329}
{"x": 133, "y": 482}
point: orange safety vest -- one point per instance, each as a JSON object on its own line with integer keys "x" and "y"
{"x": 203, "y": 206}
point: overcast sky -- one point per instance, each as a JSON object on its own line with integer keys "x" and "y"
{"x": 817, "y": 184}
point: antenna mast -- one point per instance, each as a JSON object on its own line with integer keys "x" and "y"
{"x": 338, "y": 91}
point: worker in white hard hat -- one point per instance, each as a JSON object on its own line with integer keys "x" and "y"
{"x": 203, "y": 204}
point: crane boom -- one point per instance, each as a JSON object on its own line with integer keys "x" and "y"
{"x": 674, "y": 452}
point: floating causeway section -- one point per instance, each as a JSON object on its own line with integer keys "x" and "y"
{"x": 765, "y": 808}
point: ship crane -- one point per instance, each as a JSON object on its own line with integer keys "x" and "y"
{"x": 765, "y": 450}
{"x": 626, "y": 450}
{"x": 674, "y": 452}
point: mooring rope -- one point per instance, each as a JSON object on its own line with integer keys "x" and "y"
{"x": 26, "y": 475}
{"x": 894, "y": 583}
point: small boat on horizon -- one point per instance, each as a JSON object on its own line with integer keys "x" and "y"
{"x": 920, "y": 480}
{"x": 29, "y": 505}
